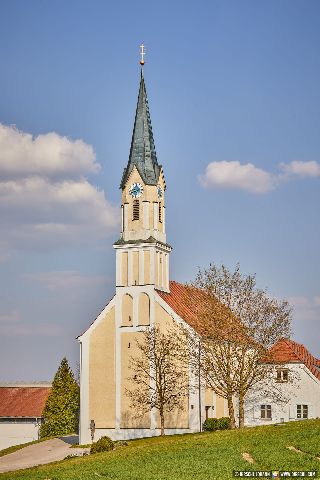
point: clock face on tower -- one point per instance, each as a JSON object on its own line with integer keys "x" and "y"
{"x": 159, "y": 191}
{"x": 136, "y": 190}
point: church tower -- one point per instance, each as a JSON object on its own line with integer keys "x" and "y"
{"x": 144, "y": 298}
{"x": 142, "y": 253}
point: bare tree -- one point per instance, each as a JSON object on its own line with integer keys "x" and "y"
{"x": 265, "y": 320}
{"x": 160, "y": 375}
{"x": 239, "y": 323}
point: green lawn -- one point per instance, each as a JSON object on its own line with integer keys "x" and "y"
{"x": 199, "y": 456}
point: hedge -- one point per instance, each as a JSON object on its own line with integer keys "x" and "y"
{"x": 213, "y": 424}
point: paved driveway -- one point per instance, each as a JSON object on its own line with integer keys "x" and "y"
{"x": 39, "y": 454}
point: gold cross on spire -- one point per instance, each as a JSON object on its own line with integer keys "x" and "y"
{"x": 142, "y": 53}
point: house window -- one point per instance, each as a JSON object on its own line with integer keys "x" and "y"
{"x": 135, "y": 210}
{"x": 266, "y": 412}
{"x": 160, "y": 212}
{"x": 282, "y": 375}
{"x": 302, "y": 411}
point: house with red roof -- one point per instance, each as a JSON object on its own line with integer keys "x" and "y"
{"x": 294, "y": 391}
{"x": 21, "y": 412}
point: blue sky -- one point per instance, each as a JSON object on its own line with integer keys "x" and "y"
{"x": 234, "y": 95}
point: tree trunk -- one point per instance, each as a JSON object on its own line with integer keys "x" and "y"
{"x": 162, "y": 422}
{"x": 241, "y": 411}
{"x": 231, "y": 413}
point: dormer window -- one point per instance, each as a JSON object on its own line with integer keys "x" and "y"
{"x": 282, "y": 375}
{"x": 135, "y": 210}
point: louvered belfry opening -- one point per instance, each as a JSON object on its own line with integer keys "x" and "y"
{"x": 160, "y": 212}
{"x": 136, "y": 210}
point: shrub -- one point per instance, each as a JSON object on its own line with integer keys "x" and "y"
{"x": 224, "y": 423}
{"x": 213, "y": 424}
{"x": 104, "y": 444}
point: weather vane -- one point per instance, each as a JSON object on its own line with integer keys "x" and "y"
{"x": 142, "y": 53}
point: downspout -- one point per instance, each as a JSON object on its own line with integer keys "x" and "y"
{"x": 199, "y": 386}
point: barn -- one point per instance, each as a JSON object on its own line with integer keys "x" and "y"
{"x": 21, "y": 407}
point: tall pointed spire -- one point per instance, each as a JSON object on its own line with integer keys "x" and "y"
{"x": 142, "y": 152}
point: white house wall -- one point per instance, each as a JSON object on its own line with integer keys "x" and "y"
{"x": 302, "y": 389}
{"x": 17, "y": 433}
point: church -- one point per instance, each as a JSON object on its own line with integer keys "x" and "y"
{"x": 144, "y": 296}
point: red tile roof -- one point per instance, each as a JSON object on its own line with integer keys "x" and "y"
{"x": 187, "y": 303}
{"x": 175, "y": 300}
{"x": 193, "y": 305}
{"x": 288, "y": 351}
{"x": 23, "y": 401}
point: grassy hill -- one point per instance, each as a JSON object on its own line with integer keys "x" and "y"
{"x": 201, "y": 456}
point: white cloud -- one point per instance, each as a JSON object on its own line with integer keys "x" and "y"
{"x": 302, "y": 169}
{"x": 232, "y": 174}
{"x": 35, "y": 200}
{"x": 49, "y": 155}
{"x": 248, "y": 177}
{"x": 12, "y": 324}
{"x": 45, "y": 200}
{"x": 62, "y": 280}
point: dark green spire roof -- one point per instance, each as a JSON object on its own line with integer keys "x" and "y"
{"x": 142, "y": 152}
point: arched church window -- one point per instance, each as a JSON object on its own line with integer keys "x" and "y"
{"x": 144, "y": 309}
{"x": 127, "y": 310}
{"x": 135, "y": 210}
